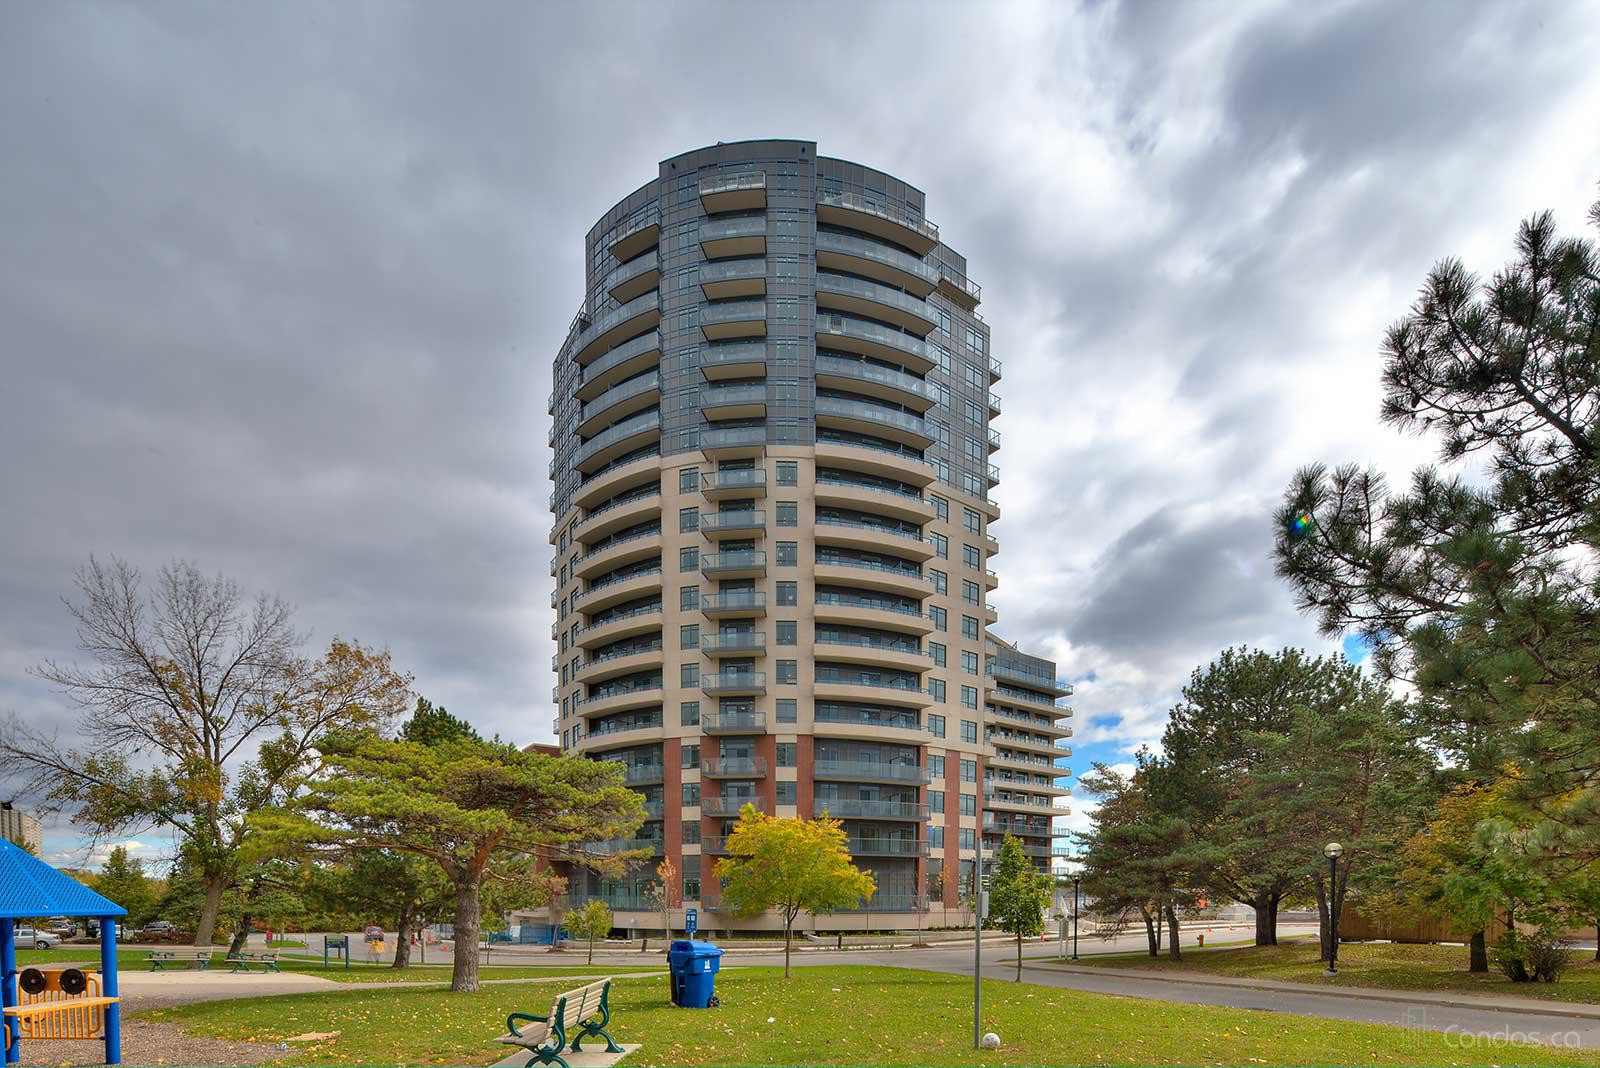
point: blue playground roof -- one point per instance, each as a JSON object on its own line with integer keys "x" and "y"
{"x": 30, "y": 888}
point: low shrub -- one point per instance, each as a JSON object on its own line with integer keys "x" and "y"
{"x": 1525, "y": 958}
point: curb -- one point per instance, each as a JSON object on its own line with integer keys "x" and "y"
{"x": 1572, "y": 1010}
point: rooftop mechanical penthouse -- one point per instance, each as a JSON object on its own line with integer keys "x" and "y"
{"x": 774, "y": 452}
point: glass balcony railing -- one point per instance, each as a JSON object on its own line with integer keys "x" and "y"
{"x": 604, "y": 618}
{"x": 739, "y": 560}
{"x": 733, "y": 722}
{"x": 735, "y": 311}
{"x": 862, "y": 248}
{"x": 726, "y": 355}
{"x": 730, "y": 396}
{"x": 733, "y": 767}
{"x": 876, "y": 604}
{"x": 846, "y": 808}
{"x": 605, "y": 545}
{"x": 634, "y": 387}
{"x": 734, "y": 600}
{"x": 863, "y": 718}
{"x": 875, "y": 487}
{"x": 876, "y": 528}
{"x": 624, "y": 652}
{"x": 872, "y": 413}
{"x": 743, "y": 642}
{"x": 649, "y": 422}
{"x": 887, "y": 847}
{"x": 740, "y": 519}
{"x": 857, "y": 202}
{"x": 862, "y": 371}
{"x": 734, "y": 682}
{"x": 730, "y": 806}
{"x": 871, "y": 771}
{"x": 861, "y": 330}
{"x": 743, "y": 478}
{"x": 732, "y": 183}
{"x": 630, "y": 576}
{"x": 876, "y": 292}
{"x": 732, "y": 271}
{"x": 624, "y": 352}
{"x": 732, "y": 437}
{"x": 867, "y": 678}
{"x": 833, "y": 560}
{"x": 652, "y": 492}
{"x": 726, "y": 229}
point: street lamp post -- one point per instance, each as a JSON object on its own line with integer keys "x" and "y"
{"x": 1333, "y": 851}
{"x": 1075, "y": 879}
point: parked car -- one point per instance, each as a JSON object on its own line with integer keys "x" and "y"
{"x": 64, "y": 928}
{"x": 91, "y": 929}
{"x": 30, "y": 936}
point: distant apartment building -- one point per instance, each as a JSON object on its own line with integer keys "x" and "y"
{"x": 773, "y": 461}
{"x": 20, "y": 827}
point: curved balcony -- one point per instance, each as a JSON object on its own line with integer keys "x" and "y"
{"x": 625, "y": 664}
{"x": 852, "y": 650}
{"x": 870, "y": 689}
{"x": 733, "y": 442}
{"x": 620, "y": 701}
{"x": 857, "y": 296}
{"x": 867, "y": 612}
{"x": 998, "y": 736}
{"x": 856, "y": 212}
{"x": 872, "y": 460}
{"x": 736, "y": 482}
{"x": 733, "y": 723}
{"x": 1044, "y": 722}
{"x": 873, "y": 339}
{"x": 729, "y": 807}
{"x": 741, "y": 523}
{"x": 614, "y": 554}
{"x": 733, "y": 767}
{"x": 741, "y": 236}
{"x": 639, "y": 621}
{"x": 734, "y": 603}
{"x": 860, "y": 417}
{"x": 619, "y": 514}
{"x": 619, "y": 737}
{"x": 734, "y": 402}
{"x": 958, "y": 289}
{"x": 858, "y": 376}
{"x": 733, "y": 319}
{"x": 885, "y": 263}
{"x": 1018, "y": 759}
{"x": 847, "y": 808}
{"x": 620, "y": 364}
{"x": 734, "y": 361}
{"x": 602, "y": 486}
{"x": 724, "y": 279}
{"x": 871, "y": 771}
{"x": 878, "y": 500}
{"x": 743, "y": 643}
{"x": 742, "y": 563}
{"x": 619, "y": 440}
{"x": 884, "y": 728}
{"x": 617, "y": 591}
{"x": 635, "y": 278}
{"x": 871, "y": 538}
{"x": 733, "y": 192}
{"x": 861, "y": 574}
{"x": 619, "y": 402}
{"x": 634, "y": 237}
{"x": 1010, "y": 671}
{"x": 610, "y": 846}
{"x": 733, "y": 684}
{"x": 618, "y": 325}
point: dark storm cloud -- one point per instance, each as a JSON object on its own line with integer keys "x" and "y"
{"x": 282, "y": 283}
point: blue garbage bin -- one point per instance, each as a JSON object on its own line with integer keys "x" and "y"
{"x": 693, "y": 967}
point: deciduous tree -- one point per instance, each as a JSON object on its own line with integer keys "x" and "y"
{"x": 590, "y": 923}
{"x": 791, "y": 865}
{"x": 1018, "y": 895}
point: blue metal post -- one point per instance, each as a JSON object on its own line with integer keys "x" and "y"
{"x": 8, "y": 983}
{"x": 108, "y": 988}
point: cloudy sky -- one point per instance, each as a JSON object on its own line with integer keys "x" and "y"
{"x": 281, "y": 285}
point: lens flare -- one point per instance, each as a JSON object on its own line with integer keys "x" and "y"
{"x": 1301, "y": 525}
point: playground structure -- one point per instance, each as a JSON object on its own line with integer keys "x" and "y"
{"x": 50, "y": 1003}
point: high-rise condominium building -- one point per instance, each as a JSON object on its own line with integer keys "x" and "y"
{"x": 20, "y": 827}
{"x": 774, "y": 454}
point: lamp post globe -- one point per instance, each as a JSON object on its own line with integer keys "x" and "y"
{"x": 1333, "y": 851}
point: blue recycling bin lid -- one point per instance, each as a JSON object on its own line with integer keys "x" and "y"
{"x": 693, "y": 950}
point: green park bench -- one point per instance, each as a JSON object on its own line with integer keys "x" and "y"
{"x": 241, "y": 961}
{"x": 158, "y": 959}
{"x": 583, "y": 1013}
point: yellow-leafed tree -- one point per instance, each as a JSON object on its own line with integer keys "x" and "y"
{"x": 793, "y": 866}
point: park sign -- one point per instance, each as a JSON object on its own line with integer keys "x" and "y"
{"x": 691, "y": 921}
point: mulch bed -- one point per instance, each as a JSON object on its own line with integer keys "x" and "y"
{"x": 153, "y": 1044}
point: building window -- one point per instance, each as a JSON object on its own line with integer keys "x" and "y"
{"x": 969, "y": 663}
{"x": 788, "y": 710}
{"x": 937, "y": 652}
{"x": 969, "y": 697}
{"x": 788, "y": 754}
{"x": 788, "y": 514}
{"x": 688, "y": 520}
{"x": 941, "y": 546}
{"x": 691, "y": 794}
{"x": 969, "y": 732}
{"x": 969, "y": 771}
{"x": 936, "y": 837}
{"x": 935, "y": 800}
{"x": 688, "y": 480}
{"x": 788, "y": 672}
{"x": 941, "y": 581}
{"x": 972, "y": 557}
{"x": 690, "y": 753}
{"x": 969, "y": 628}
{"x": 788, "y": 553}
{"x": 940, "y": 618}
{"x": 788, "y": 473}
{"x": 689, "y": 713}
{"x": 969, "y": 805}
{"x": 941, "y": 507}
{"x": 689, "y": 636}
{"x": 967, "y": 839}
{"x": 788, "y": 593}
{"x": 970, "y": 592}
{"x": 785, "y": 791}
{"x": 936, "y": 689}
{"x": 788, "y": 632}
{"x": 689, "y": 674}
{"x": 936, "y": 765}
{"x": 971, "y": 521}
{"x": 691, "y": 836}
{"x": 688, "y": 559}
{"x": 936, "y": 725}
{"x": 689, "y": 598}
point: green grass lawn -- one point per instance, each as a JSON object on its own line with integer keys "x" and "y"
{"x": 286, "y": 943}
{"x": 1392, "y": 967}
{"x": 836, "y": 1016}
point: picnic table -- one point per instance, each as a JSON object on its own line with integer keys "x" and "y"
{"x": 158, "y": 959}
{"x": 241, "y": 961}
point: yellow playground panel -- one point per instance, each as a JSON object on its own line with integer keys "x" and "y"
{"x": 63, "y": 1003}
